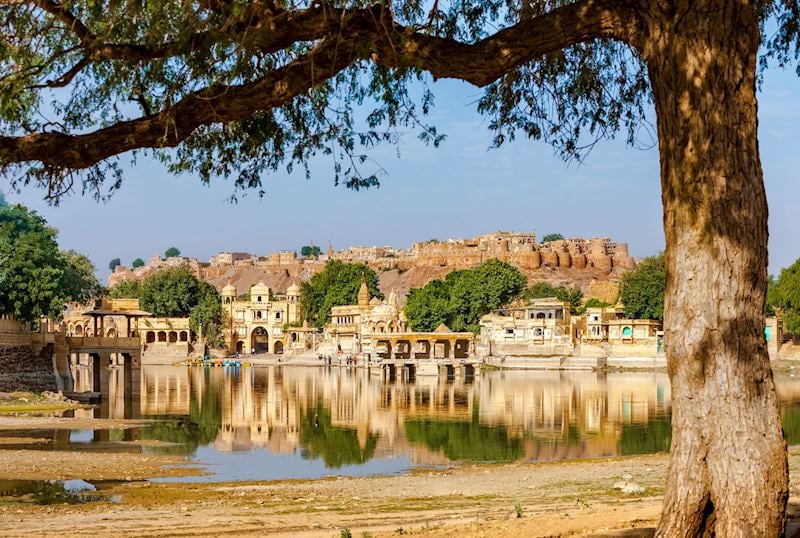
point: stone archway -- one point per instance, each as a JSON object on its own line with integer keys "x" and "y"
{"x": 259, "y": 340}
{"x": 150, "y": 337}
{"x": 240, "y": 346}
{"x": 278, "y": 347}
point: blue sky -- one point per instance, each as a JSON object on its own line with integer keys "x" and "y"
{"x": 458, "y": 190}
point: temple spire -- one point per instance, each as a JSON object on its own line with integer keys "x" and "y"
{"x": 363, "y": 292}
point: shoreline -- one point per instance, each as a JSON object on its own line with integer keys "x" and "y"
{"x": 533, "y": 363}
{"x": 577, "y": 497}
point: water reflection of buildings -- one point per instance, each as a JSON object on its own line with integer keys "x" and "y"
{"x": 554, "y": 415}
{"x": 564, "y": 415}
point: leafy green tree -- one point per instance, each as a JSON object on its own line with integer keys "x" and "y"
{"x": 80, "y": 282}
{"x": 477, "y": 291}
{"x": 463, "y": 297}
{"x": 552, "y": 237}
{"x": 239, "y": 89}
{"x": 784, "y": 293}
{"x": 772, "y": 295}
{"x": 113, "y": 264}
{"x": 171, "y": 252}
{"x": 36, "y": 278}
{"x": 572, "y": 296}
{"x": 642, "y": 290}
{"x": 173, "y": 292}
{"x": 126, "y": 289}
{"x": 138, "y": 262}
{"x": 31, "y": 266}
{"x": 310, "y": 251}
{"x": 336, "y": 285}
{"x": 429, "y": 306}
{"x": 206, "y": 318}
{"x": 594, "y": 302}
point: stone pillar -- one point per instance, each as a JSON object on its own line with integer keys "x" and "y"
{"x": 132, "y": 379}
{"x": 95, "y": 361}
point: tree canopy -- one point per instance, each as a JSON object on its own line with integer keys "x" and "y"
{"x": 336, "y": 285}
{"x": 80, "y": 282}
{"x": 36, "y": 278}
{"x": 463, "y": 297}
{"x": 171, "y": 252}
{"x": 206, "y": 318}
{"x": 552, "y": 237}
{"x": 572, "y": 296}
{"x": 138, "y": 262}
{"x": 642, "y": 290}
{"x": 170, "y": 292}
{"x": 175, "y": 72}
{"x": 784, "y": 293}
{"x": 113, "y": 264}
{"x": 310, "y": 251}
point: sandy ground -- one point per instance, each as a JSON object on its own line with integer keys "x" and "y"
{"x": 569, "y": 498}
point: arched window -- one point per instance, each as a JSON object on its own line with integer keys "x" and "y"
{"x": 626, "y": 331}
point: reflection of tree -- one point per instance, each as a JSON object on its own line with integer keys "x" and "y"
{"x": 791, "y": 423}
{"x": 336, "y": 446}
{"x": 42, "y": 492}
{"x": 201, "y": 427}
{"x": 469, "y": 441}
{"x": 655, "y": 436}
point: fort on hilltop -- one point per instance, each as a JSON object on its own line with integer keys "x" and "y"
{"x": 594, "y": 265}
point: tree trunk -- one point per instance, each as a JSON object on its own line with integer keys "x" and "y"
{"x": 728, "y": 468}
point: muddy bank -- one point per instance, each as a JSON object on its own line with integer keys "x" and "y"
{"x": 579, "y": 497}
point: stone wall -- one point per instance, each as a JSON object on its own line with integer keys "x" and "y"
{"x": 574, "y": 262}
{"x": 22, "y": 369}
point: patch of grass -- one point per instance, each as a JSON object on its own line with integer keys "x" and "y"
{"x": 345, "y": 533}
{"x": 27, "y": 408}
{"x": 518, "y": 508}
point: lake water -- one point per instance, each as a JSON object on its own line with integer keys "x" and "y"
{"x": 259, "y": 423}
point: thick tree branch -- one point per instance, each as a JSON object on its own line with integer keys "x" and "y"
{"x": 67, "y": 17}
{"x": 360, "y": 34}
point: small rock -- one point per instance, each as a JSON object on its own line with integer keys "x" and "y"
{"x": 627, "y": 476}
{"x": 629, "y": 488}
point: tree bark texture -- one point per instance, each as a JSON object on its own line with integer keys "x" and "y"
{"x": 728, "y": 469}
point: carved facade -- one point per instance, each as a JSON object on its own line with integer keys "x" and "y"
{"x": 264, "y": 322}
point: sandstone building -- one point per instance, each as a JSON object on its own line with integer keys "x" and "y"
{"x": 264, "y": 322}
{"x": 379, "y": 330}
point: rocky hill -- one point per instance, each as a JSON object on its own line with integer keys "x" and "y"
{"x": 594, "y": 265}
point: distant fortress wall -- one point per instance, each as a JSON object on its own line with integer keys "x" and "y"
{"x": 596, "y": 257}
